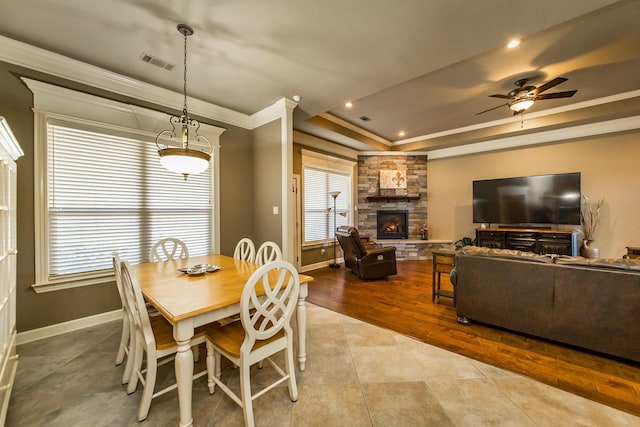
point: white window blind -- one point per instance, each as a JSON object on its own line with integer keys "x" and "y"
{"x": 318, "y": 203}
{"x": 109, "y": 192}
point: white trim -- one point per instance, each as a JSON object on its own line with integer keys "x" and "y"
{"x": 318, "y": 143}
{"x": 286, "y": 107}
{"x": 512, "y": 119}
{"x": 70, "y": 326}
{"x": 50, "y": 286}
{"x": 275, "y": 111}
{"x": 345, "y": 124}
{"x": 9, "y": 141}
{"x": 25, "y": 55}
{"x": 393, "y": 153}
{"x": 327, "y": 162}
{"x": 581, "y": 131}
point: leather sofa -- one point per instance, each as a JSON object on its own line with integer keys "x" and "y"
{"x": 367, "y": 263}
{"x": 588, "y": 303}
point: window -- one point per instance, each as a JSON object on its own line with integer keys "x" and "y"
{"x": 101, "y": 188}
{"x": 109, "y": 193}
{"x": 318, "y": 184}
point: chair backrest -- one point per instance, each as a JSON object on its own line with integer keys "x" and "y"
{"x": 169, "y": 248}
{"x": 264, "y": 316}
{"x": 350, "y": 241}
{"x": 245, "y": 250}
{"x": 137, "y": 305}
{"x": 117, "y": 273}
{"x": 268, "y": 252}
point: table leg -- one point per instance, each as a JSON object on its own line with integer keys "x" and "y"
{"x": 184, "y": 372}
{"x": 433, "y": 282}
{"x": 301, "y": 317}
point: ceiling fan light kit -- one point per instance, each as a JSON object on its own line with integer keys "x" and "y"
{"x": 523, "y": 97}
{"x": 520, "y": 105}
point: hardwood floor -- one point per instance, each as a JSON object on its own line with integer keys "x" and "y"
{"x": 403, "y": 303}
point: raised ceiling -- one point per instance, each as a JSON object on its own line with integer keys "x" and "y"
{"x": 425, "y": 67}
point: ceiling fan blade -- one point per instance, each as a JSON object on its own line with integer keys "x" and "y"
{"x": 550, "y": 84}
{"x": 566, "y": 94}
{"x": 493, "y": 108}
{"x": 502, "y": 96}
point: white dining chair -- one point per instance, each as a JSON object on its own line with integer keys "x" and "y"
{"x": 264, "y": 330}
{"x": 153, "y": 342}
{"x": 245, "y": 250}
{"x": 268, "y": 252}
{"x": 127, "y": 322}
{"x": 167, "y": 249}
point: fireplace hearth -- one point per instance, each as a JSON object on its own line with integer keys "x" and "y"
{"x": 392, "y": 224}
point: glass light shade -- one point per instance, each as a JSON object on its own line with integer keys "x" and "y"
{"x": 521, "y": 104}
{"x": 184, "y": 161}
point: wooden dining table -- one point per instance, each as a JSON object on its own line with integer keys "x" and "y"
{"x": 191, "y": 301}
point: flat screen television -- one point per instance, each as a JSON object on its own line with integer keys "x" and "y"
{"x": 528, "y": 200}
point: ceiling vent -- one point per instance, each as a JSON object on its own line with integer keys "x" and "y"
{"x": 144, "y": 57}
{"x": 365, "y": 118}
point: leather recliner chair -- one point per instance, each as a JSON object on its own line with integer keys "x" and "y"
{"x": 374, "y": 263}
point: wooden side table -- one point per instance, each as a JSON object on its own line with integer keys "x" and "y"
{"x": 443, "y": 262}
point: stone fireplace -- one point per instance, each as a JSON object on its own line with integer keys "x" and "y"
{"x": 392, "y": 224}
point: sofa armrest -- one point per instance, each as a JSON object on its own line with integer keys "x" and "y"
{"x": 381, "y": 250}
{"x": 379, "y": 255}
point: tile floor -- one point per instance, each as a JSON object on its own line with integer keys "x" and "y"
{"x": 357, "y": 375}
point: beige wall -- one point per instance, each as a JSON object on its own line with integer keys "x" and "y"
{"x": 609, "y": 169}
{"x": 236, "y": 188}
{"x": 267, "y": 183}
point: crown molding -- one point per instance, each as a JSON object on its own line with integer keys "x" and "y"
{"x": 324, "y": 145}
{"x": 8, "y": 140}
{"x": 393, "y": 153}
{"x": 573, "y": 132}
{"x": 551, "y": 111}
{"x": 275, "y": 111}
{"x": 28, "y": 56}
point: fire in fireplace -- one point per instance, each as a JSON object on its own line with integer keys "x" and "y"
{"x": 392, "y": 225}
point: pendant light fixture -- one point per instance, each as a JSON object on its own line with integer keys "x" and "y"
{"x": 173, "y": 145}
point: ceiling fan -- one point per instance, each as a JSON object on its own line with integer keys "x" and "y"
{"x": 523, "y": 97}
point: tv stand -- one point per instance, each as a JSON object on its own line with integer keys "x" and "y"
{"x": 539, "y": 240}
{"x": 527, "y": 227}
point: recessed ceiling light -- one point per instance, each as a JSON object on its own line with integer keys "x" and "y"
{"x": 513, "y": 43}
{"x": 348, "y": 104}
{"x": 401, "y": 133}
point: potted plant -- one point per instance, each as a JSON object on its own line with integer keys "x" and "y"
{"x": 465, "y": 241}
{"x": 590, "y": 218}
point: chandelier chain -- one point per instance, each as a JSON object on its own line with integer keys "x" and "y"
{"x": 185, "y": 75}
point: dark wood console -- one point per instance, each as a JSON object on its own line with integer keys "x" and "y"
{"x": 540, "y": 241}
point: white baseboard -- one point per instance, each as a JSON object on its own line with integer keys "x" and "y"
{"x": 317, "y": 265}
{"x": 71, "y": 325}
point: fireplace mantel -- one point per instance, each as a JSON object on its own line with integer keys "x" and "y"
{"x": 391, "y": 198}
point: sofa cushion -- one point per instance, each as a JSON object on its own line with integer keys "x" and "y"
{"x": 613, "y": 263}
{"x": 506, "y": 253}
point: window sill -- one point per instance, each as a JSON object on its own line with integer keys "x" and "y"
{"x": 58, "y": 285}
{"x": 317, "y": 244}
